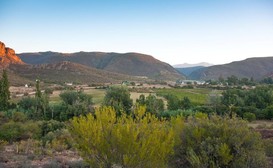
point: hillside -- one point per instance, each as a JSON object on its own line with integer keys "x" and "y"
{"x": 258, "y": 68}
{"x": 133, "y": 64}
{"x": 188, "y": 70}
{"x": 67, "y": 72}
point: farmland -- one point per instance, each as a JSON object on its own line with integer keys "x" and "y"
{"x": 65, "y": 103}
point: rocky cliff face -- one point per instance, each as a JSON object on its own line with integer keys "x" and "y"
{"x": 8, "y": 56}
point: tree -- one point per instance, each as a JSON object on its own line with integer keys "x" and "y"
{"x": 232, "y": 80}
{"x": 74, "y": 103}
{"x": 105, "y": 140}
{"x": 42, "y": 102}
{"x": 141, "y": 100}
{"x": 36, "y": 107}
{"x": 260, "y": 97}
{"x": 185, "y": 103}
{"x": 219, "y": 142}
{"x": 119, "y": 98}
{"x": 173, "y": 102}
{"x": 4, "y": 91}
{"x": 38, "y": 93}
{"x": 153, "y": 105}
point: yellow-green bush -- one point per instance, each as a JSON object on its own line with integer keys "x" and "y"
{"x": 105, "y": 140}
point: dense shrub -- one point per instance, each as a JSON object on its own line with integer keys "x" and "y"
{"x": 74, "y": 103}
{"x": 119, "y": 99}
{"x": 249, "y": 116}
{"x": 219, "y": 142}
{"x": 105, "y": 140}
{"x": 268, "y": 143}
{"x": 153, "y": 105}
{"x": 15, "y": 131}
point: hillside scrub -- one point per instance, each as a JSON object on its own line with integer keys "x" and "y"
{"x": 219, "y": 142}
{"x": 106, "y": 140}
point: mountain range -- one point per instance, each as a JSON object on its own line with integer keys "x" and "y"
{"x": 101, "y": 67}
{"x": 83, "y": 67}
{"x": 133, "y": 64}
{"x": 256, "y": 68}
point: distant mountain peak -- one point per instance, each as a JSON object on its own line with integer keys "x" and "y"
{"x": 186, "y": 65}
{"x": 8, "y": 56}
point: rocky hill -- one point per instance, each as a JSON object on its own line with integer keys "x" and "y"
{"x": 8, "y": 56}
{"x": 133, "y": 64}
{"x": 257, "y": 68}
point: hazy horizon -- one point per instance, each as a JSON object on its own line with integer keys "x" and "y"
{"x": 175, "y": 31}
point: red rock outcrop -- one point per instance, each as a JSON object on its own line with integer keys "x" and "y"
{"x": 8, "y": 56}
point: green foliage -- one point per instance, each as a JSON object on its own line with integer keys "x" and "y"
{"x": 173, "y": 102}
{"x": 58, "y": 140}
{"x": 267, "y": 80}
{"x": 4, "y": 91}
{"x": 260, "y": 97}
{"x": 105, "y": 140}
{"x": 197, "y": 96}
{"x": 232, "y": 97}
{"x": 27, "y": 103}
{"x": 15, "y": 131}
{"x": 214, "y": 100}
{"x": 35, "y": 108}
{"x": 185, "y": 103}
{"x": 249, "y": 116}
{"x": 268, "y": 112}
{"x": 235, "y": 81}
{"x": 48, "y": 91}
{"x": 175, "y": 113}
{"x": 51, "y": 126}
{"x": 268, "y": 143}
{"x": 11, "y": 131}
{"x": 219, "y": 142}
{"x": 141, "y": 100}
{"x": 257, "y": 101}
{"x": 38, "y": 93}
{"x": 74, "y": 103}
{"x": 119, "y": 98}
{"x": 232, "y": 80}
{"x": 153, "y": 105}
{"x": 19, "y": 117}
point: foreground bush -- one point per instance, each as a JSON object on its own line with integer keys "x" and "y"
{"x": 219, "y": 142}
{"x": 105, "y": 140}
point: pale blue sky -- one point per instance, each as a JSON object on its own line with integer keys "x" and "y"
{"x": 174, "y": 31}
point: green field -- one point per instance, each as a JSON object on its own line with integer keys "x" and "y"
{"x": 97, "y": 94}
{"x": 197, "y": 95}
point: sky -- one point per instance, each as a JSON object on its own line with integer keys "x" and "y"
{"x": 173, "y": 31}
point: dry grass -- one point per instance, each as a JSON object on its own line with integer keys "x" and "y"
{"x": 261, "y": 124}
